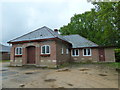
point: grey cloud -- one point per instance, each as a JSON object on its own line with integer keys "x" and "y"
{"x": 23, "y": 17}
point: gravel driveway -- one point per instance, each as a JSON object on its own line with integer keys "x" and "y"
{"x": 85, "y": 76}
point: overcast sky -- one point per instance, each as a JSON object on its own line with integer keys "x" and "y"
{"x": 19, "y": 17}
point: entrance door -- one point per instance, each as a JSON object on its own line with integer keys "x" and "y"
{"x": 101, "y": 54}
{"x": 31, "y": 55}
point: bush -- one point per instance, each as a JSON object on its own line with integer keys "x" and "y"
{"x": 117, "y": 55}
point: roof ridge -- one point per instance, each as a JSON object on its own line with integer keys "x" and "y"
{"x": 70, "y": 35}
{"x": 50, "y": 31}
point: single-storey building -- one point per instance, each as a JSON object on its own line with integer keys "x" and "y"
{"x": 4, "y": 52}
{"x": 45, "y": 47}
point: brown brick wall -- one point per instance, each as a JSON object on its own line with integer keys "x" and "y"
{"x": 56, "y": 57}
{"x": 48, "y": 60}
{"x": 13, "y": 60}
{"x": 5, "y": 56}
{"x": 109, "y": 55}
{"x": 94, "y": 56}
{"x": 40, "y": 60}
{"x": 61, "y": 58}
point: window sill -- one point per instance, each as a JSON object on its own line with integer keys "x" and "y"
{"x": 45, "y": 55}
{"x": 87, "y": 55}
{"x": 18, "y": 55}
{"x": 75, "y": 56}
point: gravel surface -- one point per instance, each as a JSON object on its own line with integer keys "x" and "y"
{"x": 85, "y": 76}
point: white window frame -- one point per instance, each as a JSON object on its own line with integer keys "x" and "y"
{"x": 67, "y": 51}
{"x": 75, "y": 52}
{"x": 45, "y": 49}
{"x": 18, "y": 51}
{"x": 62, "y": 50}
{"x": 87, "y": 52}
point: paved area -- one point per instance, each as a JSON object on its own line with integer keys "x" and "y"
{"x": 85, "y": 76}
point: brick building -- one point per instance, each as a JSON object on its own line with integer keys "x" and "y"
{"x": 4, "y": 52}
{"x": 45, "y": 47}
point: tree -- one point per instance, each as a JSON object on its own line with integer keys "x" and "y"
{"x": 100, "y": 25}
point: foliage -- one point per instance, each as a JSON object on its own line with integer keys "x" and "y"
{"x": 100, "y": 25}
{"x": 117, "y": 55}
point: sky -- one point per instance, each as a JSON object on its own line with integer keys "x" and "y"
{"x": 18, "y": 17}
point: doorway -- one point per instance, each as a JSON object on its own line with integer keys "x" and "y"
{"x": 101, "y": 54}
{"x": 31, "y": 55}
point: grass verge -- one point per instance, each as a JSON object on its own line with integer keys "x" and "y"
{"x": 76, "y": 64}
{"x": 4, "y": 61}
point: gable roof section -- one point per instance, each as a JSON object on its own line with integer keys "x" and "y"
{"x": 4, "y": 48}
{"x": 79, "y": 41}
{"x": 41, "y": 33}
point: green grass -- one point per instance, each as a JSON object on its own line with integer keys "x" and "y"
{"x": 4, "y": 60}
{"x": 114, "y": 64}
{"x": 77, "y": 64}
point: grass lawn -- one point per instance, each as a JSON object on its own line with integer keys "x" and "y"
{"x": 114, "y": 64}
{"x": 4, "y": 61}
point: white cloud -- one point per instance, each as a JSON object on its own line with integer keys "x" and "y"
{"x": 23, "y": 16}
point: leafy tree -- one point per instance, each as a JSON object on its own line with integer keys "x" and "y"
{"x": 100, "y": 25}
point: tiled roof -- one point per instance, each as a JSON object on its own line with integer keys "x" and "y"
{"x": 79, "y": 41}
{"x": 41, "y": 33}
{"x": 4, "y": 48}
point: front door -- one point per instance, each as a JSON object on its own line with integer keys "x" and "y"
{"x": 101, "y": 54}
{"x": 31, "y": 55}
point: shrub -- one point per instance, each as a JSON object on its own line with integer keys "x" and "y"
{"x": 117, "y": 55}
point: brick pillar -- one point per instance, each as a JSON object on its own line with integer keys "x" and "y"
{"x": 37, "y": 54}
{"x": 24, "y": 56}
{"x": 12, "y": 54}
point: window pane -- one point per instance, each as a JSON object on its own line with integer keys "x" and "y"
{"x": 62, "y": 50}
{"x": 73, "y": 52}
{"x": 20, "y": 51}
{"x": 84, "y": 51}
{"x": 76, "y": 52}
{"x": 47, "y": 49}
{"x": 88, "y": 51}
{"x": 16, "y": 50}
{"x": 67, "y": 51}
{"x": 43, "y": 49}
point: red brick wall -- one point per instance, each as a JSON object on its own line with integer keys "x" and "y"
{"x": 62, "y": 58}
{"x": 51, "y": 58}
{"x": 56, "y": 57}
{"x": 52, "y": 45}
{"x": 94, "y": 56}
{"x": 5, "y": 56}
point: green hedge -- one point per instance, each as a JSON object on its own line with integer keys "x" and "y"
{"x": 117, "y": 54}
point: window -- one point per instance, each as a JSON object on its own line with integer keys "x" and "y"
{"x": 18, "y": 51}
{"x": 67, "y": 51}
{"x": 62, "y": 51}
{"x": 87, "y": 52}
{"x": 45, "y": 49}
{"x": 75, "y": 52}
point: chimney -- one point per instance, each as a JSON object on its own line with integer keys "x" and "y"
{"x": 56, "y": 30}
